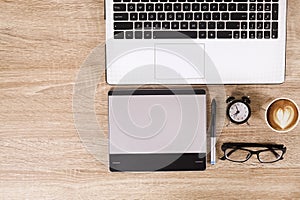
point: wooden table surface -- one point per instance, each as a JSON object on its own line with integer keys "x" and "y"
{"x": 43, "y": 48}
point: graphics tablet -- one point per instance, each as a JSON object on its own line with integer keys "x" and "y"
{"x": 157, "y": 130}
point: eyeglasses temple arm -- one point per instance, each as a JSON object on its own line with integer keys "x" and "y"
{"x": 274, "y": 152}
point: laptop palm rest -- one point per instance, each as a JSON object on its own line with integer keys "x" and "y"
{"x": 179, "y": 61}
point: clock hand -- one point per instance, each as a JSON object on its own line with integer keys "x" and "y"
{"x": 237, "y": 111}
{"x": 235, "y": 114}
{"x": 237, "y": 108}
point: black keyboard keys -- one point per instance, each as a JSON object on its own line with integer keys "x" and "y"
{"x": 203, "y": 19}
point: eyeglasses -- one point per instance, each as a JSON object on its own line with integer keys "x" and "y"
{"x": 240, "y": 152}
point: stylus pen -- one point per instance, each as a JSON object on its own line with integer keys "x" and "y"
{"x": 213, "y": 132}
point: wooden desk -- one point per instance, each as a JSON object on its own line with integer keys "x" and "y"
{"x": 42, "y": 46}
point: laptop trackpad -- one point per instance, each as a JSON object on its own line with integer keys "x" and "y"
{"x": 179, "y": 61}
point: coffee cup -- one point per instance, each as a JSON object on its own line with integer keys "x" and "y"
{"x": 282, "y": 115}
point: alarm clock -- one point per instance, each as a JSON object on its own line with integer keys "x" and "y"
{"x": 238, "y": 110}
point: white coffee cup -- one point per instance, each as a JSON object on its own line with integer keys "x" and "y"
{"x": 282, "y": 115}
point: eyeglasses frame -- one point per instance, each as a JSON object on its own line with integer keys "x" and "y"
{"x": 269, "y": 146}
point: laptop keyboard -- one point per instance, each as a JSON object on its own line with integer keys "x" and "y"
{"x": 196, "y": 19}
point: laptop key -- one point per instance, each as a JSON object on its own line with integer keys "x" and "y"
{"x": 259, "y": 25}
{"x": 120, "y": 16}
{"x": 129, "y": 35}
{"x": 147, "y": 35}
{"x": 123, "y": 25}
{"x": 142, "y": 16}
{"x": 119, "y": 7}
{"x": 186, "y": 7}
{"x": 202, "y": 25}
{"x": 150, "y": 7}
{"x": 275, "y": 25}
{"x": 244, "y": 34}
{"x": 225, "y": 16}
{"x": 260, "y": 7}
{"x": 202, "y": 34}
{"x": 244, "y": 25}
{"x": 274, "y": 33}
{"x": 161, "y": 16}
{"x": 232, "y": 7}
{"x": 118, "y": 35}
{"x": 174, "y": 34}
{"x": 131, "y": 7}
{"x": 151, "y": 16}
{"x": 140, "y": 7}
{"x": 147, "y": 25}
{"x": 175, "y": 25}
{"x": 204, "y": 7}
{"x": 138, "y": 35}
{"x": 177, "y": 7}
{"x": 267, "y": 35}
{"x": 223, "y": 7}
{"x": 252, "y": 34}
{"x": 156, "y": 25}
{"x": 133, "y": 16}
{"x": 224, "y": 34}
{"x": 184, "y": 25}
{"x": 138, "y": 25}
{"x": 188, "y": 16}
{"x": 259, "y": 35}
{"x": 242, "y": 7}
{"x": 195, "y": 7}
{"x": 267, "y": 25}
{"x": 252, "y": 7}
{"x": 236, "y": 34}
{"x": 197, "y": 16}
{"x": 179, "y": 16}
{"x": 252, "y": 25}
{"x": 193, "y": 25}
{"x": 239, "y": 16}
{"x": 232, "y": 25}
{"x": 211, "y": 25}
{"x": 275, "y": 12}
{"x": 159, "y": 7}
{"x": 220, "y": 25}
{"x": 267, "y": 7}
{"x": 216, "y": 16}
{"x": 166, "y": 25}
{"x": 211, "y": 34}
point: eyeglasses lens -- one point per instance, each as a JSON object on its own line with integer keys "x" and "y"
{"x": 238, "y": 155}
{"x": 270, "y": 155}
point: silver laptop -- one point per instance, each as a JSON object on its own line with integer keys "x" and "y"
{"x": 157, "y": 130}
{"x": 195, "y": 41}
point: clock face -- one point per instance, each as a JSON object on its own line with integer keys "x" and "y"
{"x": 238, "y": 112}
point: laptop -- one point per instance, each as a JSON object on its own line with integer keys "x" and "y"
{"x": 157, "y": 130}
{"x": 195, "y": 41}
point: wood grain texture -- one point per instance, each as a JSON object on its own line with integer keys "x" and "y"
{"x": 43, "y": 45}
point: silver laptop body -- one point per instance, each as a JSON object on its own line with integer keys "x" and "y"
{"x": 195, "y": 42}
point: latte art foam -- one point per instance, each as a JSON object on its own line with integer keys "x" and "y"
{"x": 282, "y": 115}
